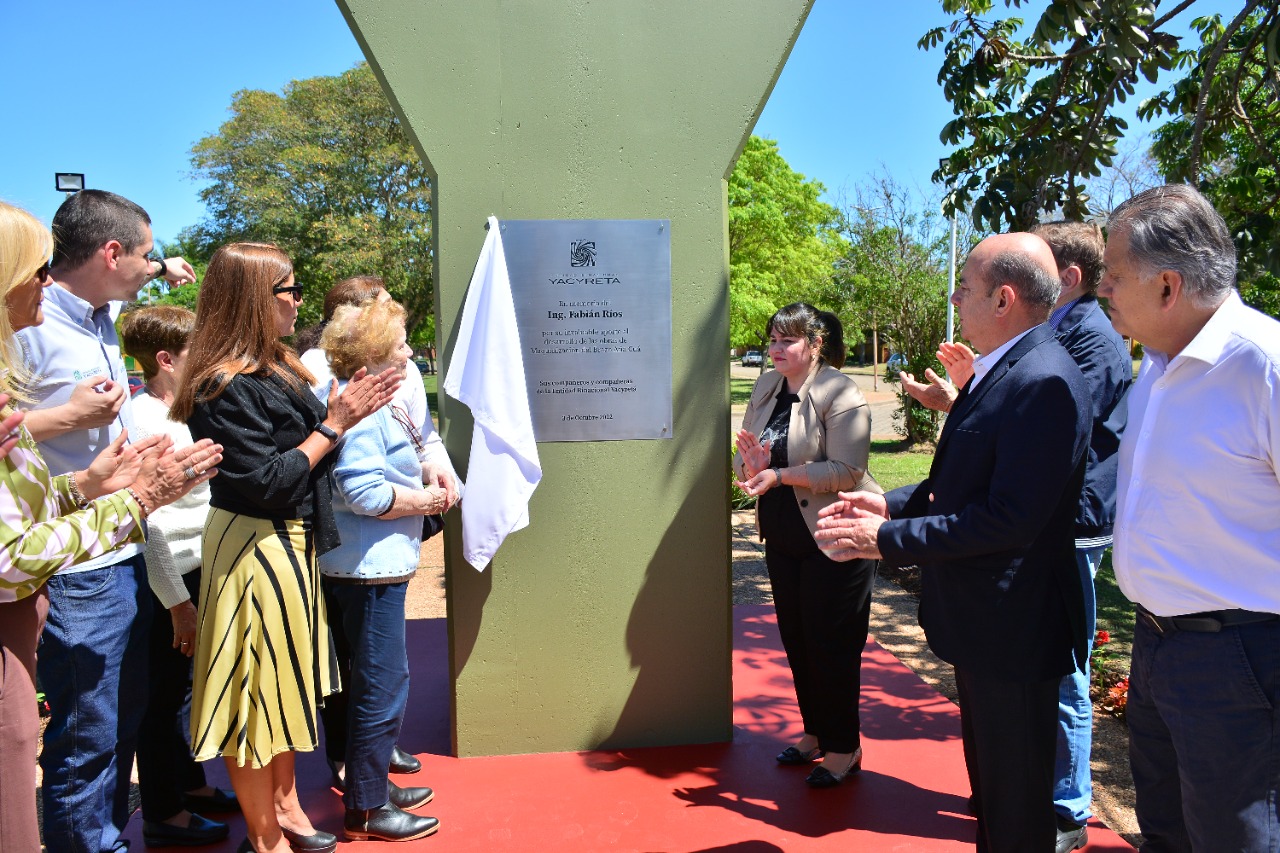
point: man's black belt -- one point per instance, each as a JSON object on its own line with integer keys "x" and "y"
{"x": 1209, "y": 622}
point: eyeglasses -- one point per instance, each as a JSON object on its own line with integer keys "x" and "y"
{"x": 294, "y": 290}
{"x": 43, "y": 274}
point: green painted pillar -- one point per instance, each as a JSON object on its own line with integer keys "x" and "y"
{"x": 606, "y": 622}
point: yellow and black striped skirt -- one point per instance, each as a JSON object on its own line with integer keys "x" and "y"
{"x": 263, "y": 657}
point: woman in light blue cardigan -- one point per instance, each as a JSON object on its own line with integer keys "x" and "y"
{"x": 379, "y": 504}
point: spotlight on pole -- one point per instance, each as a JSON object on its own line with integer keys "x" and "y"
{"x": 68, "y": 182}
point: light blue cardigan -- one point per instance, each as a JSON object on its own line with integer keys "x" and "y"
{"x": 373, "y": 456}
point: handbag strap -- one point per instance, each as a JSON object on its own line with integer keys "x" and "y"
{"x": 402, "y": 418}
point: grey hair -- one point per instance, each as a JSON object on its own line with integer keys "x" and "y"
{"x": 1033, "y": 284}
{"x": 1175, "y": 228}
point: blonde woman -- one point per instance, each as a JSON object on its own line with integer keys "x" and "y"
{"x": 379, "y": 507}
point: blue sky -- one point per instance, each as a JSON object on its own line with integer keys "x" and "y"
{"x": 121, "y": 91}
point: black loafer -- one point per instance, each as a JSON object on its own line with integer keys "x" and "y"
{"x": 317, "y": 842}
{"x": 198, "y": 831}
{"x": 219, "y": 802}
{"x": 791, "y": 755}
{"x": 403, "y": 762}
{"x": 409, "y": 798}
{"x": 387, "y": 823}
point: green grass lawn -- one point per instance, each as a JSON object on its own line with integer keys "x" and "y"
{"x": 893, "y": 465}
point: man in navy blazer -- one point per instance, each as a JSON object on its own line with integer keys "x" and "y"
{"x": 992, "y": 529}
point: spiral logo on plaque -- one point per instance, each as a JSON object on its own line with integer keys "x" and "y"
{"x": 582, "y": 253}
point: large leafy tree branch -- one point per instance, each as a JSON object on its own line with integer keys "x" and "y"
{"x": 1035, "y": 103}
{"x": 325, "y": 170}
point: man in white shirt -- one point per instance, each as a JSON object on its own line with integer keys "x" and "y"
{"x": 1197, "y": 534}
{"x": 93, "y": 652}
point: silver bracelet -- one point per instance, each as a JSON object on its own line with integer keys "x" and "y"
{"x": 777, "y": 472}
{"x": 77, "y": 497}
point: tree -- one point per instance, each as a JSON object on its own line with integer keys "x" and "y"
{"x": 1035, "y": 114}
{"x": 1225, "y": 135}
{"x": 894, "y": 275}
{"x": 783, "y": 240}
{"x": 325, "y": 171}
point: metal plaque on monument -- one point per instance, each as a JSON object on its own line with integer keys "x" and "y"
{"x": 593, "y": 303}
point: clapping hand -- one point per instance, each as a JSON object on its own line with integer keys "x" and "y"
{"x": 755, "y": 456}
{"x": 363, "y": 396}
{"x": 9, "y": 432}
{"x": 847, "y": 529}
{"x": 958, "y": 360}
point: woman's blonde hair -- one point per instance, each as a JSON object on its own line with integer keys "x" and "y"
{"x": 362, "y": 336}
{"x": 236, "y": 328}
{"x": 25, "y": 246}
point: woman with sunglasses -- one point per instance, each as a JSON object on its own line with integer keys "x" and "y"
{"x": 254, "y": 696}
{"x": 48, "y": 523}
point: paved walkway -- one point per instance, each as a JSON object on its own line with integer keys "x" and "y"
{"x": 882, "y": 399}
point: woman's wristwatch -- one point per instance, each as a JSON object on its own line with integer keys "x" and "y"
{"x": 327, "y": 432}
{"x": 164, "y": 269}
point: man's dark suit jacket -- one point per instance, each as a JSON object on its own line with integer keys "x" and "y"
{"x": 992, "y": 528}
{"x": 1100, "y": 353}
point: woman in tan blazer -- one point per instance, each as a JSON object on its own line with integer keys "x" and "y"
{"x": 806, "y": 435}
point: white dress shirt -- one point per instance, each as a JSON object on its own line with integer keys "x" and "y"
{"x": 983, "y": 364}
{"x": 1198, "y": 524}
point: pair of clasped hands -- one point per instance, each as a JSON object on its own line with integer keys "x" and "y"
{"x": 847, "y": 529}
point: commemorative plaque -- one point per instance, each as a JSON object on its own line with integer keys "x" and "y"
{"x": 593, "y": 303}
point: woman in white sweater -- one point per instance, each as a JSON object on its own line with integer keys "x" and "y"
{"x": 171, "y": 782}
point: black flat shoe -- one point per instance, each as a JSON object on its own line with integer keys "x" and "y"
{"x": 198, "y": 831}
{"x": 403, "y": 762}
{"x": 316, "y": 842}
{"x": 219, "y": 802}
{"x": 821, "y": 777}
{"x": 387, "y": 823}
{"x": 791, "y": 755}
{"x": 409, "y": 798}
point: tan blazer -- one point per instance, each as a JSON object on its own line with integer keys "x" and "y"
{"x": 829, "y": 433}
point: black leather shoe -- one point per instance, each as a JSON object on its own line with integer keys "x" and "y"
{"x": 403, "y": 762}
{"x": 1071, "y": 838}
{"x": 219, "y": 802}
{"x": 317, "y": 842}
{"x": 387, "y": 823}
{"x": 410, "y": 798}
{"x": 791, "y": 755}
{"x": 821, "y": 777}
{"x": 198, "y": 831}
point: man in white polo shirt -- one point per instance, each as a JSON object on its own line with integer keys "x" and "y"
{"x": 1197, "y": 534}
{"x": 93, "y": 653}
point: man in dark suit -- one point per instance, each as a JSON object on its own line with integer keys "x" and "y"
{"x": 992, "y": 529}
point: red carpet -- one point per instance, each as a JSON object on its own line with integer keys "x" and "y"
{"x": 910, "y": 795}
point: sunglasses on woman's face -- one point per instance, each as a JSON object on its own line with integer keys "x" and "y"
{"x": 294, "y": 290}
{"x": 43, "y": 274}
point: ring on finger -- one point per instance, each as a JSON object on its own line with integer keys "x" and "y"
{"x": 189, "y": 472}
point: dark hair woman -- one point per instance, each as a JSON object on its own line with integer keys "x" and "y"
{"x": 806, "y": 435}
{"x": 254, "y": 699}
